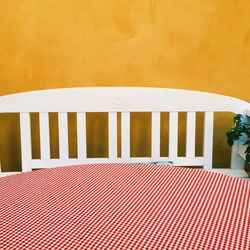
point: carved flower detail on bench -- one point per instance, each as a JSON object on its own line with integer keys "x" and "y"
{"x": 119, "y": 100}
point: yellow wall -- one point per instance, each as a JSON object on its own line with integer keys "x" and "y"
{"x": 190, "y": 44}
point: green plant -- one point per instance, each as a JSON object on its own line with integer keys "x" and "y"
{"x": 242, "y": 126}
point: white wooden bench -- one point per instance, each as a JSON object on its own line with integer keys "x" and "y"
{"x": 124, "y": 100}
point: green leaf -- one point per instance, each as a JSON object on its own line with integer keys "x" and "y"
{"x": 237, "y": 118}
{"x": 248, "y": 158}
{"x": 247, "y": 151}
{"x": 236, "y": 137}
{"x": 247, "y": 142}
{"x": 230, "y": 141}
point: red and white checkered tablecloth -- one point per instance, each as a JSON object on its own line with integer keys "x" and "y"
{"x": 124, "y": 206}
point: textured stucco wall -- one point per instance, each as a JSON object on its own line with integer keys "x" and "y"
{"x": 189, "y": 44}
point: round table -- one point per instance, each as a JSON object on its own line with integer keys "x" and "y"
{"x": 124, "y": 206}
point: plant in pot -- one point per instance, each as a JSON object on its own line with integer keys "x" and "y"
{"x": 239, "y": 131}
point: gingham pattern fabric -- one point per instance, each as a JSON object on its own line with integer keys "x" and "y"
{"x": 124, "y": 206}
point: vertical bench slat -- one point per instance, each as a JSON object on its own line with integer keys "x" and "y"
{"x": 208, "y": 140}
{"x": 63, "y": 136}
{"x": 173, "y": 134}
{"x": 26, "y": 149}
{"x": 125, "y": 135}
{"x": 190, "y": 140}
{"x": 81, "y": 135}
{"x": 44, "y": 136}
{"x": 112, "y": 124}
{"x": 156, "y": 134}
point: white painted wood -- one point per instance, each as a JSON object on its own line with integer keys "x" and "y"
{"x": 63, "y": 135}
{"x": 112, "y": 124}
{"x": 124, "y": 100}
{"x": 227, "y": 171}
{"x": 26, "y": 149}
{"x": 208, "y": 140}
{"x": 190, "y": 140}
{"x": 125, "y": 135}
{"x": 3, "y": 174}
{"x": 129, "y": 99}
{"x": 155, "y": 134}
{"x": 173, "y": 134}
{"x": 44, "y": 136}
{"x": 178, "y": 161}
{"x": 81, "y": 135}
